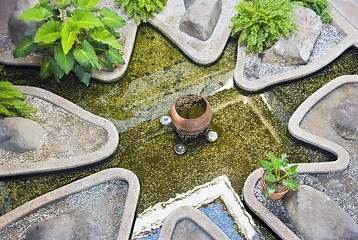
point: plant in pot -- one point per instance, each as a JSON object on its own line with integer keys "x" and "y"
{"x": 276, "y": 181}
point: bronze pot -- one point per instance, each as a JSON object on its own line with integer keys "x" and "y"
{"x": 278, "y": 194}
{"x": 191, "y": 126}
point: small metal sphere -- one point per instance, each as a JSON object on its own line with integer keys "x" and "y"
{"x": 179, "y": 149}
{"x": 211, "y": 136}
{"x": 165, "y": 120}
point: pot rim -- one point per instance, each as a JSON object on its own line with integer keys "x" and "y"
{"x": 264, "y": 182}
{"x": 208, "y": 107}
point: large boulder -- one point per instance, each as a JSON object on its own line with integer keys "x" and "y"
{"x": 201, "y": 18}
{"x": 18, "y": 28}
{"x": 72, "y": 225}
{"x": 298, "y": 48}
{"x": 20, "y": 134}
{"x": 317, "y": 217}
{"x": 344, "y": 119}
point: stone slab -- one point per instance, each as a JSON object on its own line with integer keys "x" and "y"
{"x": 79, "y": 186}
{"x": 297, "y": 132}
{"x": 201, "y": 52}
{"x": 105, "y": 151}
{"x": 127, "y": 38}
{"x": 350, "y": 39}
{"x": 348, "y": 8}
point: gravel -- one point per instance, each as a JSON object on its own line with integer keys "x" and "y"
{"x": 256, "y": 69}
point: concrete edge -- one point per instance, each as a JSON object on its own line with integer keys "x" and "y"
{"x": 351, "y": 39}
{"x": 325, "y": 167}
{"x": 203, "y": 52}
{"x": 72, "y": 162}
{"x": 194, "y": 215}
{"x": 81, "y": 185}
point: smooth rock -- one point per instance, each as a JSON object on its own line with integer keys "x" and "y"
{"x": 298, "y": 48}
{"x": 186, "y": 229}
{"x": 18, "y": 28}
{"x": 344, "y": 119}
{"x": 20, "y": 134}
{"x": 317, "y": 217}
{"x": 188, "y": 3}
{"x": 72, "y": 225}
{"x": 201, "y": 18}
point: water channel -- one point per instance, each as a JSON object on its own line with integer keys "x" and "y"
{"x": 249, "y": 125}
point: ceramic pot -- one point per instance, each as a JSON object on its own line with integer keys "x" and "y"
{"x": 191, "y": 126}
{"x": 276, "y": 195}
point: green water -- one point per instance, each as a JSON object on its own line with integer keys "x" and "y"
{"x": 191, "y": 111}
{"x": 157, "y": 74}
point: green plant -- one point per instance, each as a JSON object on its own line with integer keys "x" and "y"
{"x": 141, "y": 9}
{"x": 77, "y": 35}
{"x": 321, "y": 7}
{"x": 260, "y": 22}
{"x": 12, "y": 102}
{"x": 273, "y": 174}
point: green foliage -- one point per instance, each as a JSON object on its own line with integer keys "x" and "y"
{"x": 77, "y": 35}
{"x": 321, "y": 7}
{"x": 273, "y": 176}
{"x": 141, "y": 9}
{"x": 12, "y": 102}
{"x": 260, "y": 22}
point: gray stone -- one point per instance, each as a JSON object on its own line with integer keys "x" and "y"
{"x": 201, "y": 18}
{"x": 317, "y": 217}
{"x": 188, "y": 3}
{"x": 18, "y": 28}
{"x": 298, "y": 48}
{"x": 20, "y": 134}
{"x": 186, "y": 229}
{"x": 344, "y": 119}
{"x": 72, "y": 225}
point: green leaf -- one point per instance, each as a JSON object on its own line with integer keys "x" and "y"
{"x": 63, "y": 2}
{"x": 36, "y": 14}
{"x": 112, "y": 19}
{"x": 68, "y": 33}
{"x": 290, "y": 183}
{"x": 65, "y": 61}
{"x": 87, "y": 4}
{"x": 105, "y": 63}
{"x": 291, "y": 170}
{"x": 115, "y": 56}
{"x": 275, "y": 162}
{"x": 45, "y": 68}
{"x": 86, "y": 56}
{"x": 266, "y": 165}
{"x": 104, "y": 36}
{"x": 270, "y": 178}
{"x": 283, "y": 159}
{"x": 82, "y": 74}
{"x": 25, "y": 47}
{"x": 85, "y": 19}
{"x": 270, "y": 188}
{"x": 48, "y": 33}
{"x": 57, "y": 71}
{"x": 1, "y": 67}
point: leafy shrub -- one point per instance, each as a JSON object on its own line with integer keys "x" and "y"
{"x": 12, "y": 102}
{"x": 260, "y": 22}
{"x": 81, "y": 40}
{"x": 321, "y": 7}
{"x": 141, "y": 9}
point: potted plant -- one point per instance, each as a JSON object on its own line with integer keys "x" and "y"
{"x": 276, "y": 179}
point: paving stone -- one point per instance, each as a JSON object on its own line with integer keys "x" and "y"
{"x": 298, "y": 48}
{"x": 20, "y": 134}
{"x": 318, "y": 217}
{"x": 201, "y": 18}
{"x": 345, "y": 121}
{"x": 188, "y": 3}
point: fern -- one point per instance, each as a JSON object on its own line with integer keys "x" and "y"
{"x": 12, "y": 102}
{"x": 321, "y": 7}
{"x": 141, "y": 9}
{"x": 260, "y": 23}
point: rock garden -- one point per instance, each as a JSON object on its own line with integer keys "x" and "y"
{"x": 178, "y": 119}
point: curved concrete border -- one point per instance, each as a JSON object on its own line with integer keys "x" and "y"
{"x": 350, "y": 39}
{"x": 81, "y": 185}
{"x": 296, "y": 131}
{"x": 194, "y": 215}
{"x": 202, "y": 52}
{"x": 72, "y": 162}
{"x": 127, "y": 33}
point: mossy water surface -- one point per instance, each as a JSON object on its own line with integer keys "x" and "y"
{"x": 249, "y": 125}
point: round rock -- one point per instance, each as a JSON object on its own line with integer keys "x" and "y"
{"x": 72, "y": 225}
{"x": 344, "y": 119}
{"x": 20, "y": 134}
